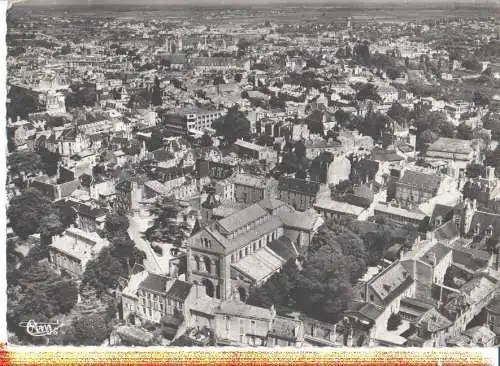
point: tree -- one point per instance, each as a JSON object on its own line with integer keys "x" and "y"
{"x": 25, "y": 212}
{"x": 115, "y": 225}
{"x": 103, "y": 272}
{"x": 465, "y": 132}
{"x": 315, "y": 122}
{"x": 394, "y": 321}
{"x": 90, "y": 330}
{"x": 234, "y": 125}
{"x": 480, "y": 100}
{"x": 393, "y": 73}
{"x": 368, "y": 91}
{"x": 361, "y": 53}
{"x": 37, "y": 293}
{"x": 50, "y": 161}
{"x": 156, "y": 140}
{"x": 206, "y": 140}
{"x": 300, "y": 150}
{"x": 156, "y": 97}
{"x": 24, "y": 162}
{"x": 474, "y": 170}
{"x": 398, "y": 113}
{"x": 167, "y": 226}
{"x": 65, "y": 294}
{"x": 50, "y": 225}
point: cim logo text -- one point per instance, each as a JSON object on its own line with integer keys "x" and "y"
{"x": 40, "y": 329}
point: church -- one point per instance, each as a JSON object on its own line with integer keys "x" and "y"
{"x": 243, "y": 250}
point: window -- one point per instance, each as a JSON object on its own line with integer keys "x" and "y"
{"x": 232, "y": 258}
{"x": 372, "y": 298}
{"x": 254, "y": 245}
{"x": 246, "y": 251}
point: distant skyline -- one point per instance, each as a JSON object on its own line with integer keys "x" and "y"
{"x": 250, "y": 2}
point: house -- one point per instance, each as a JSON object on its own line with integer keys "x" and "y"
{"x": 398, "y": 214}
{"x": 285, "y": 332}
{"x": 416, "y": 187}
{"x": 456, "y": 151}
{"x": 247, "y": 150}
{"x": 378, "y": 298}
{"x": 191, "y": 119}
{"x": 298, "y": 193}
{"x": 240, "y": 324}
{"x": 330, "y": 208}
{"x": 71, "y": 251}
{"x": 493, "y": 316}
{"x": 249, "y": 189}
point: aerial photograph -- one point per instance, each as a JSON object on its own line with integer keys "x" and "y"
{"x": 253, "y": 173}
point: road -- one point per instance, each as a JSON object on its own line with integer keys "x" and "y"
{"x": 136, "y": 227}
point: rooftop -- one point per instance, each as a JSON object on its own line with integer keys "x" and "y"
{"x": 450, "y": 145}
{"x": 421, "y": 180}
{"x": 260, "y": 265}
{"x": 237, "y": 308}
{"x": 242, "y": 218}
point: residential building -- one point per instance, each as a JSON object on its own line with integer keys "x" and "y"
{"x": 71, "y": 251}
{"x": 298, "y": 193}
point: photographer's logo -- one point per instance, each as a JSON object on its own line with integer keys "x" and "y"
{"x": 40, "y": 329}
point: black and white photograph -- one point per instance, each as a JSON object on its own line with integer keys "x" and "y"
{"x": 255, "y": 174}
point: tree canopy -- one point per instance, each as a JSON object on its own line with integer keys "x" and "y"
{"x": 167, "y": 227}
{"x": 31, "y": 212}
{"x": 234, "y": 125}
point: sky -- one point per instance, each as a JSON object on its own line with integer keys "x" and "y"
{"x": 246, "y": 2}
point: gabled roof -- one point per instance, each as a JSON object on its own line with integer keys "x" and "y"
{"x": 179, "y": 290}
{"x": 437, "y": 253}
{"x": 236, "y": 308}
{"x": 485, "y": 221}
{"x": 450, "y": 145}
{"x": 284, "y": 248}
{"x": 298, "y": 185}
{"x": 434, "y": 321}
{"x": 391, "y": 282}
{"x": 472, "y": 259}
{"x": 421, "y": 180}
{"x": 366, "y": 310}
{"x": 299, "y": 220}
{"x": 155, "y": 283}
{"x": 271, "y": 203}
{"x": 284, "y": 328}
{"x": 447, "y": 231}
{"x": 242, "y": 218}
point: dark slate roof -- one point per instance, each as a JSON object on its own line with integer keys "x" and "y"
{"x": 438, "y": 251}
{"x": 485, "y": 220}
{"x": 472, "y": 259}
{"x": 442, "y": 210}
{"x": 176, "y": 58}
{"x": 179, "y": 290}
{"x": 155, "y": 283}
{"x": 366, "y": 310}
{"x": 162, "y": 155}
{"x": 283, "y": 247}
{"x": 271, "y": 203}
{"x": 242, "y": 218}
{"x": 355, "y": 200}
{"x": 429, "y": 182}
{"x": 447, "y": 231}
{"x": 298, "y": 185}
{"x": 385, "y": 155}
{"x": 284, "y": 328}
